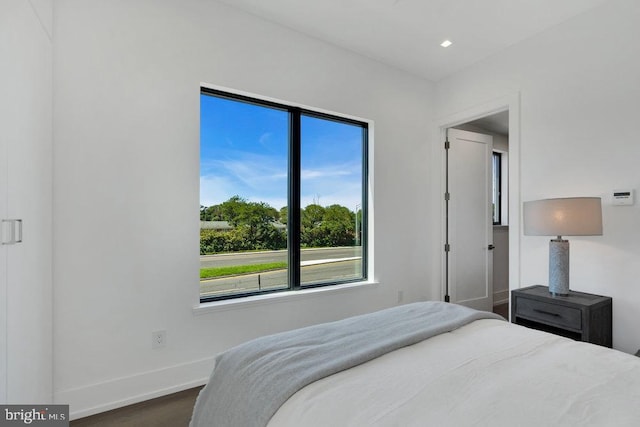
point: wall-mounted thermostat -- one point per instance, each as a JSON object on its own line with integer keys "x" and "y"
{"x": 622, "y": 197}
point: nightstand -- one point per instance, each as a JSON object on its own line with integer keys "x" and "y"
{"x": 580, "y": 316}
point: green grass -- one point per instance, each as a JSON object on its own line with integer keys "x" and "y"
{"x": 239, "y": 269}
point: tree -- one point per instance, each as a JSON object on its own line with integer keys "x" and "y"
{"x": 340, "y": 214}
{"x": 253, "y": 226}
{"x": 211, "y": 213}
{"x": 255, "y": 214}
{"x": 284, "y": 215}
{"x": 231, "y": 209}
{"x": 338, "y": 225}
{"x": 327, "y": 227}
{"x": 312, "y": 216}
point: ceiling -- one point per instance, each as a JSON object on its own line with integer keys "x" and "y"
{"x": 496, "y": 123}
{"x": 406, "y": 34}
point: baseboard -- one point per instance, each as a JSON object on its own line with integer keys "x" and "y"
{"x": 116, "y": 393}
{"x": 500, "y": 297}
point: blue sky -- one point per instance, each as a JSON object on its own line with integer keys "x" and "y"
{"x": 243, "y": 151}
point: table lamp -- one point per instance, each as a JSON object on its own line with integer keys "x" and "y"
{"x": 573, "y": 216}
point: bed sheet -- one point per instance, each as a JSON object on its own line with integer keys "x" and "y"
{"x": 489, "y": 372}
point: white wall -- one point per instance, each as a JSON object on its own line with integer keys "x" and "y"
{"x": 126, "y": 147}
{"x": 26, "y": 194}
{"x": 580, "y": 99}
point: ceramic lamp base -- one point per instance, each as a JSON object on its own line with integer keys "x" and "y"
{"x": 559, "y": 267}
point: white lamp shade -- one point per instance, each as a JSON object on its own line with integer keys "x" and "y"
{"x": 573, "y": 216}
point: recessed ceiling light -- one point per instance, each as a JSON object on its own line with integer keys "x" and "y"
{"x": 446, "y": 43}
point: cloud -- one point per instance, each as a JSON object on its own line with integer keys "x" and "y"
{"x": 263, "y": 178}
{"x": 322, "y": 173}
{"x": 265, "y": 138}
{"x": 215, "y": 190}
{"x": 331, "y": 171}
{"x": 258, "y": 172}
{"x": 256, "y": 177}
{"x": 347, "y": 193}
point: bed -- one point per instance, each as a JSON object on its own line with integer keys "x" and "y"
{"x": 419, "y": 364}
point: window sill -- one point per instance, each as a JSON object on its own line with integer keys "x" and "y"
{"x": 238, "y": 303}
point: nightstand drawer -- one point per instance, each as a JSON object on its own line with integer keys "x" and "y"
{"x": 550, "y": 314}
{"x": 579, "y": 315}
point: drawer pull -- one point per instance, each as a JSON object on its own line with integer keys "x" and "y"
{"x": 546, "y": 312}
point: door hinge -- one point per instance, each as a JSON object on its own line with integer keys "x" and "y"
{"x": 447, "y": 196}
{"x": 447, "y": 145}
{"x": 447, "y": 247}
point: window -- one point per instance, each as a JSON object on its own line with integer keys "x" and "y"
{"x": 282, "y": 197}
{"x": 497, "y": 190}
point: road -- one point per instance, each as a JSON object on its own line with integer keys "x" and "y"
{"x": 262, "y": 257}
{"x": 325, "y": 264}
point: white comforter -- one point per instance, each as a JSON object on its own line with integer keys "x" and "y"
{"x": 489, "y": 373}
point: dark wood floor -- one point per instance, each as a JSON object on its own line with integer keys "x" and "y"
{"x": 502, "y": 310}
{"x": 173, "y": 410}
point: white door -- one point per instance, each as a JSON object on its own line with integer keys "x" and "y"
{"x": 470, "y": 220}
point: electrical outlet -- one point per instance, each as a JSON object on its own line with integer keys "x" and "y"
{"x": 158, "y": 339}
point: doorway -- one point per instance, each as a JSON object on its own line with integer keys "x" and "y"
{"x": 498, "y": 119}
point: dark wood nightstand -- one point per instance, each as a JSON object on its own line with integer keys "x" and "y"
{"x": 580, "y": 316}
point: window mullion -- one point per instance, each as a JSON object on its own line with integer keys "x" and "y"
{"x": 293, "y": 238}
